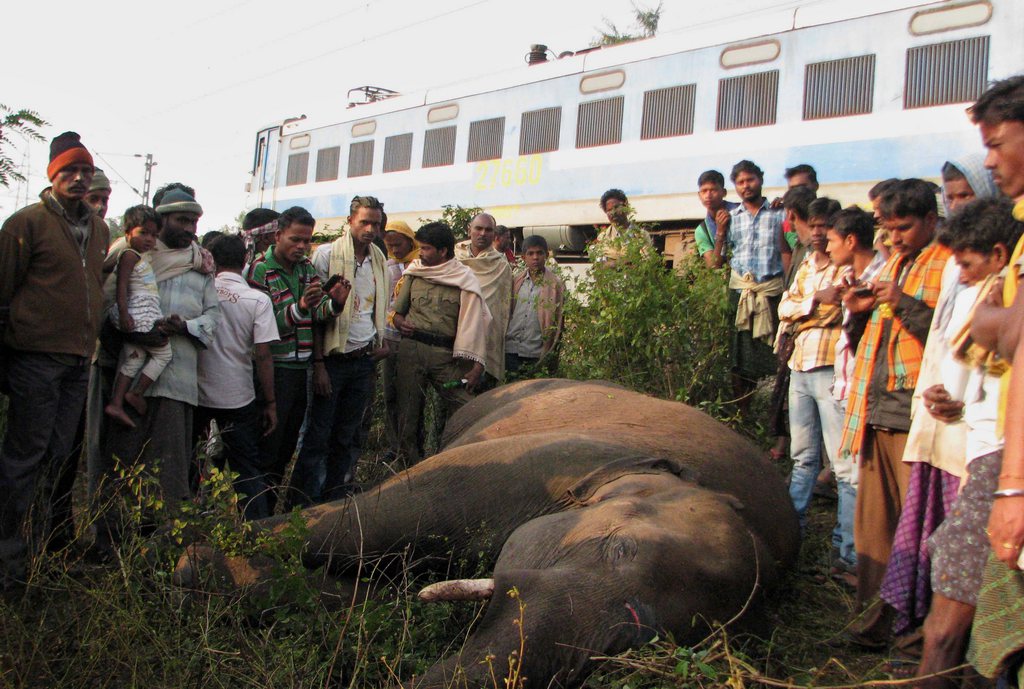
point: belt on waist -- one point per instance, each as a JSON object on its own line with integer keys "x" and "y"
{"x": 355, "y": 353}
{"x": 433, "y": 340}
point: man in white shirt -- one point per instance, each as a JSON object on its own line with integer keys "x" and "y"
{"x": 226, "y": 391}
{"x": 345, "y": 376}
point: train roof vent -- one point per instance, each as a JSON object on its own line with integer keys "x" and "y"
{"x": 486, "y": 139}
{"x": 360, "y": 158}
{"x": 950, "y": 17}
{"x": 298, "y": 169}
{"x": 599, "y": 122}
{"x": 398, "y": 152}
{"x": 605, "y": 81}
{"x": 837, "y": 88}
{"x": 364, "y": 128}
{"x": 668, "y": 112}
{"x": 443, "y": 113}
{"x": 747, "y": 101}
{"x": 539, "y": 131}
{"x": 948, "y": 72}
{"x": 750, "y": 54}
{"x": 327, "y": 162}
{"x": 439, "y": 147}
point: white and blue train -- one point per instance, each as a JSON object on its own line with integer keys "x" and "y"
{"x": 860, "y": 90}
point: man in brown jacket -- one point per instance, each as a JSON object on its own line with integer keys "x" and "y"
{"x": 51, "y": 258}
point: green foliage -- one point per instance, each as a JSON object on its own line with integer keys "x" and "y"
{"x": 23, "y": 122}
{"x": 645, "y": 25}
{"x": 457, "y": 218}
{"x": 646, "y": 327}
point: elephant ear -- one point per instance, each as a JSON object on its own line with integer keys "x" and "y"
{"x": 585, "y": 488}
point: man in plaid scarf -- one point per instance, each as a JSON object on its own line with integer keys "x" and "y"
{"x": 890, "y": 325}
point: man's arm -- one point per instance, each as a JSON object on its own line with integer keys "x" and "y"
{"x": 1006, "y": 522}
{"x": 916, "y": 316}
{"x": 203, "y": 327}
{"x": 15, "y": 256}
{"x": 265, "y": 375}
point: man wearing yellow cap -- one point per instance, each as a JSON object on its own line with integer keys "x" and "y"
{"x": 51, "y": 279}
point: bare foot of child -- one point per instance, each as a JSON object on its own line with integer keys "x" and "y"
{"x": 119, "y": 415}
{"x": 137, "y": 401}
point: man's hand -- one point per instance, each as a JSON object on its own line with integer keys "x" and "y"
{"x": 172, "y": 325}
{"x": 723, "y": 218}
{"x": 127, "y": 322}
{"x": 269, "y": 418}
{"x": 474, "y": 376}
{"x": 339, "y": 292}
{"x": 856, "y": 303}
{"x": 888, "y": 293}
{"x": 776, "y": 202}
{"x": 321, "y": 381}
{"x": 311, "y": 297}
{"x": 941, "y": 406}
{"x": 1006, "y": 529}
{"x": 154, "y": 338}
{"x": 404, "y": 325}
{"x": 380, "y": 353}
{"x": 829, "y": 295}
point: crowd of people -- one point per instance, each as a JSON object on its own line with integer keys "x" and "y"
{"x": 890, "y": 336}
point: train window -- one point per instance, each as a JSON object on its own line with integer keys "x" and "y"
{"x": 950, "y": 17}
{"x": 439, "y": 147}
{"x": 606, "y": 81}
{"x": 485, "y": 139}
{"x": 398, "y": 153}
{"x": 298, "y": 168}
{"x": 360, "y": 158}
{"x": 443, "y": 113}
{"x": 599, "y": 122}
{"x": 747, "y": 101}
{"x": 327, "y": 160}
{"x": 538, "y": 131}
{"x": 364, "y": 128}
{"x": 836, "y": 88}
{"x": 749, "y": 54}
{"x": 668, "y": 112}
{"x": 949, "y": 72}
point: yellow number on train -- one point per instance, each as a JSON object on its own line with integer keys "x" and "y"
{"x": 506, "y": 173}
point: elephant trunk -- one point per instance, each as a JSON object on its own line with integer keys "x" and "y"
{"x": 458, "y": 589}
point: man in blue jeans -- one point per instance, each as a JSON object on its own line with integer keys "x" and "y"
{"x": 345, "y": 376}
{"x": 51, "y": 277}
{"x": 226, "y": 392}
{"x": 811, "y": 307}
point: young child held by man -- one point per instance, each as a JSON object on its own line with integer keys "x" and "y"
{"x": 136, "y": 309}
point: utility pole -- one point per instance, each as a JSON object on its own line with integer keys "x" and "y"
{"x": 149, "y": 175}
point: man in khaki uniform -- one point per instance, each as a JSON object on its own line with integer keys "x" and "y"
{"x": 443, "y": 319}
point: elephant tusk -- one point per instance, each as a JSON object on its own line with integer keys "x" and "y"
{"x": 458, "y": 589}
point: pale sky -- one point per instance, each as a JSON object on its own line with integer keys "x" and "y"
{"x": 192, "y": 81}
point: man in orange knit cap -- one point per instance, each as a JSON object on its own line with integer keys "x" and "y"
{"x": 51, "y": 278}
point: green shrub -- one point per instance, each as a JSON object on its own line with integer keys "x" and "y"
{"x": 638, "y": 323}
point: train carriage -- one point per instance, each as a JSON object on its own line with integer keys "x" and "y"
{"x": 862, "y": 91}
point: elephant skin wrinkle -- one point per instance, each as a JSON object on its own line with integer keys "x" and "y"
{"x": 615, "y": 516}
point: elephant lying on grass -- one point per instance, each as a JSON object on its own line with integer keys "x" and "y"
{"x": 616, "y": 516}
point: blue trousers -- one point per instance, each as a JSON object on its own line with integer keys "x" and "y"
{"x": 331, "y": 447}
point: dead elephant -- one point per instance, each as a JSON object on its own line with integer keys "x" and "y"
{"x": 616, "y": 516}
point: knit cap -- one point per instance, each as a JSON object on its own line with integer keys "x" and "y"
{"x": 66, "y": 149}
{"x": 100, "y": 181}
{"x": 178, "y": 201}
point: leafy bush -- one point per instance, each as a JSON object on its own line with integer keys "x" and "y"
{"x": 637, "y": 323}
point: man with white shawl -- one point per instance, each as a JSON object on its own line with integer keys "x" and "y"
{"x": 492, "y": 270}
{"x": 353, "y": 344}
{"x": 443, "y": 318}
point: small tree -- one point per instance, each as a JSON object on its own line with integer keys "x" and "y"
{"x": 457, "y": 218}
{"x": 659, "y": 331}
{"x": 645, "y": 26}
{"x": 23, "y": 122}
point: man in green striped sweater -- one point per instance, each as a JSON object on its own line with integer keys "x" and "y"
{"x": 286, "y": 274}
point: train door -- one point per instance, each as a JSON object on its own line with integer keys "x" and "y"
{"x": 265, "y": 166}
